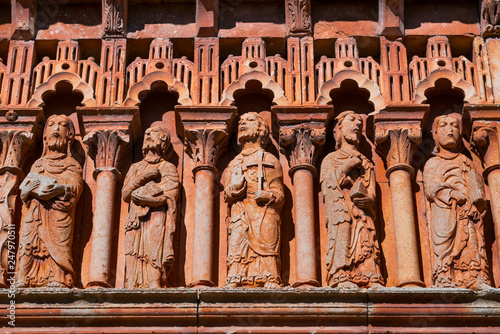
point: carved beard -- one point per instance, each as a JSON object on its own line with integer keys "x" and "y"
{"x": 352, "y": 137}
{"x": 152, "y": 145}
{"x": 56, "y": 143}
{"x": 247, "y": 136}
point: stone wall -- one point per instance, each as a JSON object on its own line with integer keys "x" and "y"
{"x": 377, "y": 140}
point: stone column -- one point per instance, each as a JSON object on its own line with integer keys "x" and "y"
{"x": 486, "y": 140}
{"x": 205, "y": 131}
{"x": 108, "y": 138}
{"x": 301, "y": 134}
{"x": 16, "y": 139}
{"x": 106, "y": 148}
{"x": 301, "y": 142}
{"x": 204, "y": 146}
{"x": 396, "y": 142}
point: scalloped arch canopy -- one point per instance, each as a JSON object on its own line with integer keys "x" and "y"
{"x": 456, "y": 80}
{"x": 146, "y": 82}
{"x": 267, "y": 84}
{"x": 50, "y": 86}
{"x": 376, "y": 98}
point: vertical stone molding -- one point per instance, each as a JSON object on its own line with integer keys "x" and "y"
{"x": 16, "y": 86}
{"x": 107, "y": 144}
{"x": 111, "y": 85}
{"x": 205, "y": 139}
{"x": 396, "y": 140}
{"x": 486, "y": 140}
{"x": 206, "y": 87}
{"x": 114, "y": 18}
{"x": 16, "y": 139}
{"x": 298, "y": 17}
{"x": 301, "y": 134}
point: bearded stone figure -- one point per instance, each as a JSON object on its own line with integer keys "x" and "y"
{"x": 254, "y": 191}
{"x": 348, "y": 184}
{"x": 152, "y": 188}
{"x": 456, "y": 197}
{"x": 50, "y": 191}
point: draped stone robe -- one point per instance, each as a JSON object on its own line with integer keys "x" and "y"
{"x": 459, "y": 257}
{"x": 254, "y": 234}
{"x": 47, "y": 232}
{"x": 150, "y": 229}
{"x": 353, "y": 251}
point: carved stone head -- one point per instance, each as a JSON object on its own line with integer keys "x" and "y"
{"x": 156, "y": 139}
{"x": 348, "y": 129}
{"x": 253, "y": 127}
{"x": 447, "y": 132}
{"x": 58, "y": 134}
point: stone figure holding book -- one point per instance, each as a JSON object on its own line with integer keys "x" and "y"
{"x": 152, "y": 188}
{"x": 50, "y": 191}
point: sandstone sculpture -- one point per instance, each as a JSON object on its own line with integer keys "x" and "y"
{"x": 254, "y": 191}
{"x": 152, "y": 188}
{"x": 456, "y": 196}
{"x": 348, "y": 184}
{"x": 51, "y": 191}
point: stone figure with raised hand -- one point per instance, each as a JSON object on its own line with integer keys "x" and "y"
{"x": 348, "y": 185}
{"x": 50, "y": 191}
{"x": 254, "y": 191}
{"x": 152, "y": 188}
{"x": 456, "y": 197}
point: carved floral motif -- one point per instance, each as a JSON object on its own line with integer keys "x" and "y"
{"x": 205, "y": 145}
{"x": 298, "y": 14}
{"x": 491, "y": 16}
{"x": 113, "y": 14}
{"x": 107, "y": 147}
{"x": 302, "y": 142}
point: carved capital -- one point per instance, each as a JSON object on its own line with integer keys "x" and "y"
{"x": 204, "y": 146}
{"x": 301, "y": 143}
{"x": 14, "y": 145}
{"x": 396, "y": 143}
{"x": 485, "y": 139}
{"x": 107, "y": 147}
{"x": 298, "y": 17}
{"x": 114, "y": 18}
{"x": 490, "y": 17}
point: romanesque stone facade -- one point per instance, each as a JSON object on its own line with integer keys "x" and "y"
{"x": 259, "y": 166}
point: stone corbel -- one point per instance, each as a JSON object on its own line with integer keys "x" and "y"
{"x": 205, "y": 132}
{"x": 302, "y": 132}
{"x": 398, "y": 132}
{"x": 23, "y": 19}
{"x": 485, "y": 139}
{"x": 298, "y": 17}
{"x": 108, "y": 138}
{"x": 19, "y": 130}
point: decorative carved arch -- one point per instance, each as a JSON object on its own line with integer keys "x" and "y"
{"x": 470, "y": 94}
{"x": 267, "y": 84}
{"x": 50, "y": 86}
{"x": 146, "y": 82}
{"x": 376, "y": 98}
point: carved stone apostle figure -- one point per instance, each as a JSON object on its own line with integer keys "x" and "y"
{"x": 456, "y": 197}
{"x": 348, "y": 185}
{"x": 254, "y": 191}
{"x": 50, "y": 191}
{"x": 152, "y": 188}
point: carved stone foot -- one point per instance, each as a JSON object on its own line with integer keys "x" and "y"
{"x": 55, "y": 284}
{"x": 271, "y": 285}
{"x": 347, "y": 285}
{"x": 480, "y": 284}
{"x": 376, "y": 286}
{"x": 230, "y": 286}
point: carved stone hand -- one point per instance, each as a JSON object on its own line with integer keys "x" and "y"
{"x": 264, "y": 196}
{"x": 237, "y": 178}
